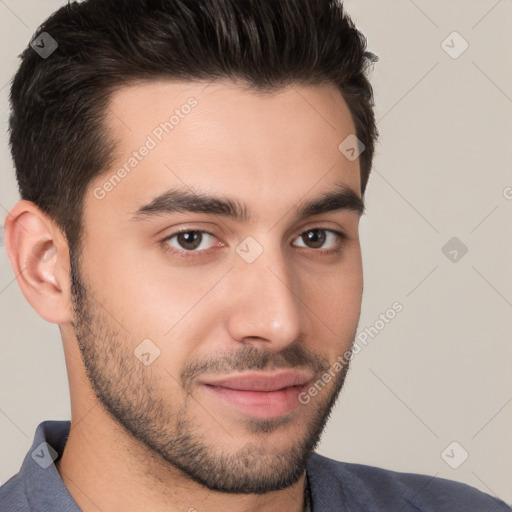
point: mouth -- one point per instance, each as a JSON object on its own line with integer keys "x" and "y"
{"x": 259, "y": 394}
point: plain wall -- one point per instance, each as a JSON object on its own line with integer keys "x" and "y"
{"x": 439, "y": 371}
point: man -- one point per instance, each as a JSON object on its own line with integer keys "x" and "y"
{"x": 192, "y": 176}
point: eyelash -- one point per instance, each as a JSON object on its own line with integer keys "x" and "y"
{"x": 196, "y": 254}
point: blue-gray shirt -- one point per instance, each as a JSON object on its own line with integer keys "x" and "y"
{"x": 335, "y": 486}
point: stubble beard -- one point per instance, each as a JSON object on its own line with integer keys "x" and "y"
{"x": 123, "y": 386}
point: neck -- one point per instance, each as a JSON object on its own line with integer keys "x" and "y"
{"x": 104, "y": 468}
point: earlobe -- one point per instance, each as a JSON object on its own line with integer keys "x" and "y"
{"x": 39, "y": 256}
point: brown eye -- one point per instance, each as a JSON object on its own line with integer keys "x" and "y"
{"x": 315, "y": 237}
{"x": 190, "y": 240}
{"x": 318, "y": 237}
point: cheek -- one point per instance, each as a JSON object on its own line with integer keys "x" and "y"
{"x": 335, "y": 299}
{"x": 339, "y": 303}
{"x": 146, "y": 310}
{"x": 140, "y": 291}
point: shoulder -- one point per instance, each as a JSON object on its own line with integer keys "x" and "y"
{"x": 12, "y": 495}
{"x": 371, "y": 488}
{"x": 37, "y": 485}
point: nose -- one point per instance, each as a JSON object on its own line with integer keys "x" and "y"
{"x": 267, "y": 307}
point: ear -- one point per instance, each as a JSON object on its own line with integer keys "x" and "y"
{"x": 39, "y": 255}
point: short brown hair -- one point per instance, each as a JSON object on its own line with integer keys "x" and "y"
{"x": 58, "y": 138}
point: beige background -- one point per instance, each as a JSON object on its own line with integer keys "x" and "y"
{"x": 438, "y": 372}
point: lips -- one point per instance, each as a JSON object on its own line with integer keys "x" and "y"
{"x": 258, "y": 394}
{"x": 262, "y": 381}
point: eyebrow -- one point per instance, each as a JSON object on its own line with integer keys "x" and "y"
{"x": 180, "y": 200}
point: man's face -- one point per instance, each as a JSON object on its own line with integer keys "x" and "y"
{"x": 276, "y": 294}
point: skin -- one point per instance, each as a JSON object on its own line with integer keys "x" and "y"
{"x": 294, "y": 306}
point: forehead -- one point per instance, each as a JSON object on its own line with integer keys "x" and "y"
{"x": 220, "y": 138}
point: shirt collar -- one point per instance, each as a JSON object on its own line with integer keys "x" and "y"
{"x": 46, "y": 491}
{"x": 44, "y": 487}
